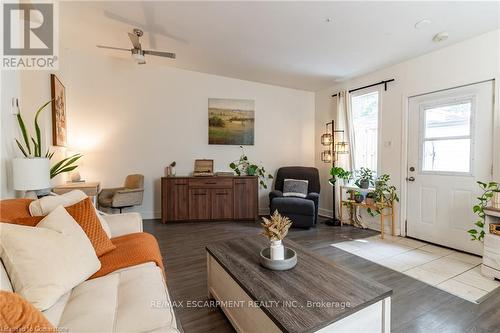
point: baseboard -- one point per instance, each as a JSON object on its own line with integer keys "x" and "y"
{"x": 326, "y": 212}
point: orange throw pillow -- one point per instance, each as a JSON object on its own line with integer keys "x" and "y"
{"x": 18, "y": 315}
{"x": 84, "y": 214}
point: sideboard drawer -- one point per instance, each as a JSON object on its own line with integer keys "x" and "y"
{"x": 212, "y": 182}
{"x": 181, "y": 181}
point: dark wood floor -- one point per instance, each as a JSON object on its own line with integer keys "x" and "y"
{"x": 416, "y": 306}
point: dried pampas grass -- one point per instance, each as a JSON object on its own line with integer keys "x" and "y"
{"x": 276, "y": 228}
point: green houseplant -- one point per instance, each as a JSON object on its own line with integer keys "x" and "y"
{"x": 384, "y": 192}
{"x": 365, "y": 178}
{"x": 32, "y": 147}
{"x": 243, "y": 166}
{"x": 338, "y": 173}
{"x": 489, "y": 190}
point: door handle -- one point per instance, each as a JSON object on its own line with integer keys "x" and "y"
{"x": 410, "y": 179}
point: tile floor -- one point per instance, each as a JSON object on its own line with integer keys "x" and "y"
{"x": 452, "y": 271}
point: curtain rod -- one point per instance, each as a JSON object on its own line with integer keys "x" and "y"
{"x": 371, "y": 85}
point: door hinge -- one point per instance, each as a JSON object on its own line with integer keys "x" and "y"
{"x": 406, "y": 227}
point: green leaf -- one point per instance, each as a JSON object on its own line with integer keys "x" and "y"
{"x": 21, "y": 148}
{"x": 66, "y": 162}
{"x": 472, "y": 231}
{"x": 24, "y": 132}
{"x": 68, "y": 169}
{"x": 37, "y": 128}
{"x": 480, "y": 224}
{"x": 35, "y": 147}
{"x": 482, "y": 185}
{"x": 232, "y": 165}
{"x": 476, "y": 208}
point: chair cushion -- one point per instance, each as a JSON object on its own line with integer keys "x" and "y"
{"x": 295, "y": 188}
{"x": 298, "y": 172}
{"x": 45, "y": 262}
{"x": 18, "y": 315}
{"x": 130, "y": 300}
{"x": 291, "y": 205}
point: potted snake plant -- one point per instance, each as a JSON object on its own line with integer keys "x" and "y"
{"x": 31, "y": 147}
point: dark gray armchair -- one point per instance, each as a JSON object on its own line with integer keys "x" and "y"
{"x": 302, "y": 211}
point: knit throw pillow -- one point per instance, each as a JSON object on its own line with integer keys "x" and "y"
{"x": 295, "y": 188}
{"x": 85, "y": 215}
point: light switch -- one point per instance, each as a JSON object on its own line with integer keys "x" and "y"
{"x": 14, "y": 107}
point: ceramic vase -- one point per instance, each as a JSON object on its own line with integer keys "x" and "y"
{"x": 277, "y": 250}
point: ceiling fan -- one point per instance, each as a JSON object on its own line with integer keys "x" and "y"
{"x": 138, "y": 54}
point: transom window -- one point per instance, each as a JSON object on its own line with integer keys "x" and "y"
{"x": 447, "y": 138}
{"x": 365, "y": 115}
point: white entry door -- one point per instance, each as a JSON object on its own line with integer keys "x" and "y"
{"x": 450, "y": 144}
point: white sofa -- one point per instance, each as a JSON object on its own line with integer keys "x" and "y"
{"x": 133, "y": 299}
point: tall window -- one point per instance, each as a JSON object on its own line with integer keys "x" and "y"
{"x": 365, "y": 114}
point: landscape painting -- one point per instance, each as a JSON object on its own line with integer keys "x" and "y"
{"x": 231, "y": 121}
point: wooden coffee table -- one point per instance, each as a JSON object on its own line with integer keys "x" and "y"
{"x": 317, "y": 295}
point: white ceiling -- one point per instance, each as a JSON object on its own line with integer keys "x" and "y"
{"x": 283, "y": 43}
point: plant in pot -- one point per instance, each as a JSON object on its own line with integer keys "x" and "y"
{"x": 32, "y": 147}
{"x": 490, "y": 190}
{"x": 243, "y": 167}
{"x": 276, "y": 229}
{"x": 339, "y": 173}
{"x": 384, "y": 194}
{"x": 365, "y": 178}
{"x": 370, "y": 198}
{"x": 357, "y": 196}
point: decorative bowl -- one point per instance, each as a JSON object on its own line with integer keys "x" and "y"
{"x": 278, "y": 265}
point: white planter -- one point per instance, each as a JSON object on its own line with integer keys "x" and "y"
{"x": 495, "y": 200}
{"x": 277, "y": 250}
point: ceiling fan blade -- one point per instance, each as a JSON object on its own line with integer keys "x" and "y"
{"x": 112, "y": 48}
{"x": 160, "y": 54}
{"x": 135, "y": 40}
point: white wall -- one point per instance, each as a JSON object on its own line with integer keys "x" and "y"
{"x": 467, "y": 62}
{"x": 127, "y": 119}
{"x": 10, "y": 84}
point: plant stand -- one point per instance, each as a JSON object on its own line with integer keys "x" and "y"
{"x": 388, "y": 210}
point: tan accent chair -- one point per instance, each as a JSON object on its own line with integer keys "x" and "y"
{"x": 121, "y": 197}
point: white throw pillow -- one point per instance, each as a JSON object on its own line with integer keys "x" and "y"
{"x": 47, "y": 261}
{"x": 45, "y": 205}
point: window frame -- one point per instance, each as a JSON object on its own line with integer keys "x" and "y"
{"x": 358, "y": 93}
{"x": 422, "y": 139}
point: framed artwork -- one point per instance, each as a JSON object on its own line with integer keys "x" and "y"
{"x": 231, "y": 121}
{"x": 58, "y": 112}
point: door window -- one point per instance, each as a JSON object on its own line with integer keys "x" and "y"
{"x": 446, "y": 145}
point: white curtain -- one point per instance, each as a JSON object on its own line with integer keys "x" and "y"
{"x": 344, "y": 122}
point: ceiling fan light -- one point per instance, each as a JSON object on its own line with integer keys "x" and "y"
{"x": 139, "y": 58}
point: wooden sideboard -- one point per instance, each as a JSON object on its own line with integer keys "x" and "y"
{"x": 209, "y": 198}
